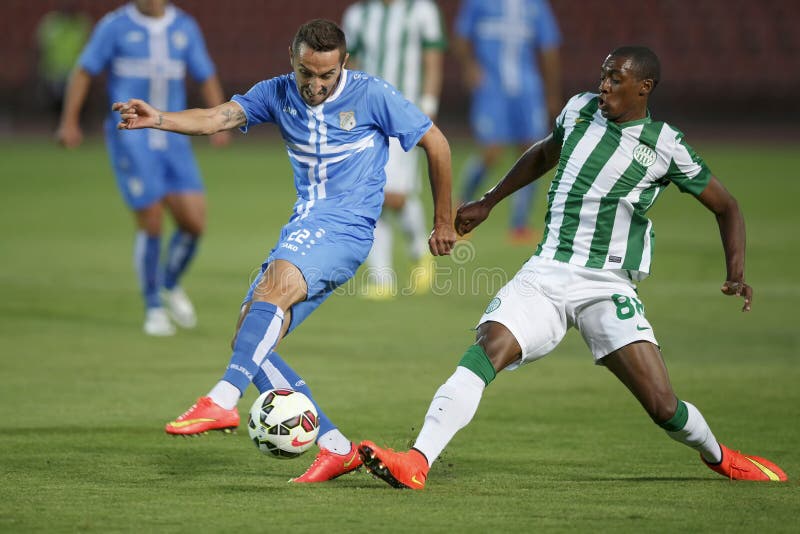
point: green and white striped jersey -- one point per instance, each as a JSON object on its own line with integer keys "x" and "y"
{"x": 388, "y": 39}
{"x": 608, "y": 176}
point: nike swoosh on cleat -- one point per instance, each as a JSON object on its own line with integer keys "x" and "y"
{"x": 352, "y": 459}
{"x": 297, "y": 443}
{"x": 181, "y": 424}
{"x": 417, "y": 482}
{"x": 642, "y": 327}
{"x": 764, "y": 469}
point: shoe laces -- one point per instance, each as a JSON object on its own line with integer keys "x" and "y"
{"x": 737, "y": 457}
{"x": 190, "y": 410}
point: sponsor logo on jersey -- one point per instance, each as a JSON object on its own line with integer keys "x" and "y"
{"x": 645, "y": 155}
{"x": 180, "y": 40}
{"x": 614, "y": 259}
{"x": 290, "y": 110}
{"x": 493, "y": 305}
{"x": 134, "y": 37}
{"x": 347, "y": 120}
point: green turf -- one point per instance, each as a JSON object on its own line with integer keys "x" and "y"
{"x": 556, "y": 446}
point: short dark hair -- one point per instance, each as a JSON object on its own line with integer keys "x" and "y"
{"x": 645, "y": 61}
{"x": 320, "y": 35}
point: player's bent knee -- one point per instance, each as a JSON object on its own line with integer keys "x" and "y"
{"x": 499, "y": 344}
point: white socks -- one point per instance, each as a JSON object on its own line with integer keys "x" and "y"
{"x": 452, "y": 408}
{"x": 412, "y": 220}
{"x": 225, "y": 394}
{"x": 697, "y": 435}
{"x": 379, "y": 261}
{"x": 334, "y": 441}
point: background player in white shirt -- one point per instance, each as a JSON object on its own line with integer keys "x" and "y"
{"x": 402, "y": 42}
{"x": 613, "y": 160}
{"x": 336, "y": 125}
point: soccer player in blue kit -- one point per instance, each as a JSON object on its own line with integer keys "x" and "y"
{"x": 147, "y": 47}
{"x": 336, "y": 124}
{"x": 509, "y": 55}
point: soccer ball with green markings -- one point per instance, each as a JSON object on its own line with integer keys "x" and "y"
{"x": 283, "y": 423}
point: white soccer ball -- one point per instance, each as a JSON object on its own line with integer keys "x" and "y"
{"x": 283, "y": 423}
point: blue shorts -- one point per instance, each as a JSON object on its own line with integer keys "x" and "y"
{"x": 328, "y": 248}
{"x": 502, "y": 119}
{"x": 146, "y": 175}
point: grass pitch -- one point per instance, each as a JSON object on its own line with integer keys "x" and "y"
{"x": 556, "y": 446}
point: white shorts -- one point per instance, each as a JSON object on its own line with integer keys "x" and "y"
{"x": 547, "y": 297}
{"x": 402, "y": 169}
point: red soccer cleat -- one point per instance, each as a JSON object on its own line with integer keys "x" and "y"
{"x": 398, "y": 469}
{"x": 204, "y": 415}
{"x": 329, "y": 465}
{"x": 738, "y": 466}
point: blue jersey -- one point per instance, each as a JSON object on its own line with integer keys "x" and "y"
{"x": 148, "y": 58}
{"x": 339, "y": 148}
{"x": 506, "y": 36}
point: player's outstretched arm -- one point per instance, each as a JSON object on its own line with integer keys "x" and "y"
{"x": 732, "y": 231}
{"x": 136, "y": 114}
{"x": 437, "y": 150}
{"x": 535, "y": 162}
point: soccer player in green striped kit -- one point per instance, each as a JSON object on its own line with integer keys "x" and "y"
{"x": 612, "y": 161}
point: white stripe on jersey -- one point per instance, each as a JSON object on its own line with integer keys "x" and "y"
{"x": 579, "y": 156}
{"x": 391, "y": 38}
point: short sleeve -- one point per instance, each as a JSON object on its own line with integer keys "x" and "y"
{"x": 547, "y": 32}
{"x": 687, "y": 170}
{"x": 257, "y": 103}
{"x": 99, "y": 51}
{"x": 395, "y": 115}
{"x": 198, "y": 61}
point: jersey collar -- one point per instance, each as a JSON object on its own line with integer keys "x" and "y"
{"x": 336, "y": 92}
{"x": 152, "y": 23}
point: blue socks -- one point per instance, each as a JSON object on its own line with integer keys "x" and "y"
{"x": 276, "y": 373}
{"x": 146, "y": 252}
{"x": 522, "y": 203}
{"x": 473, "y": 176}
{"x": 182, "y": 248}
{"x": 146, "y": 256}
{"x": 257, "y": 336}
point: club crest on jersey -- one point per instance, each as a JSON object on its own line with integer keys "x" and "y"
{"x": 645, "y": 155}
{"x": 493, "y": 305}
{"x": 347, "y": 120}
{"x": 180, "y": 40}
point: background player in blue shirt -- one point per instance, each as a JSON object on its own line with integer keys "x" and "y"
{"x": 146, "y": 48}
{"x": 336, "y": 125}
{"x": 509, "y": 55}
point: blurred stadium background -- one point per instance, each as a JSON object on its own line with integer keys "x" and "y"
{"x": 726, "y": 63}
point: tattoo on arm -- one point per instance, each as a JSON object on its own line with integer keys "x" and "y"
{"x": 160, "y": 120}
{"x": 233, "y": 116}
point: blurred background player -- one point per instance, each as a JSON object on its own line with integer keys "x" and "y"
{"x": 147, "y": 47}
{"x": 336, "y": 126}
{"x": 401, "y": 41}
{"x": 60, "y": 36}
{"x": 509, "y": 52}
{"x": 613, "y": 162}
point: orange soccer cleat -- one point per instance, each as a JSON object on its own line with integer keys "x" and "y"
{"x": 204, "y": 415}
{"x": 329, "y": 465}
{"x": 738, "y": 466}
{"x": 398, "y": 469}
